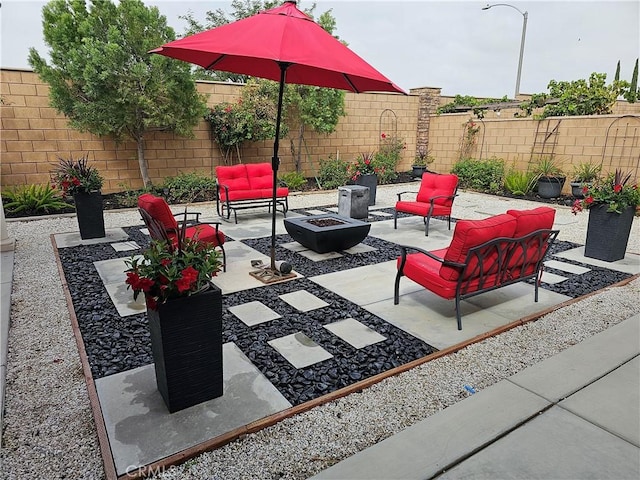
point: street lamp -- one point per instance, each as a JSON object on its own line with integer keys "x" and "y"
{"x": 525, "y": 15}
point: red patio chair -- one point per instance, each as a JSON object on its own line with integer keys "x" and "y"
{"x": 162, "y": 224}
{"x": 435, "y": 198}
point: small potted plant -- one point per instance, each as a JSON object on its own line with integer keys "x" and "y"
{"x": 612, "y": 204}
{"x": 185, "y": 317}
{"x": 364, "y": 171}
{"x": 83, "y": 182}
{"x": 550, "y": 177}
{"x": 583, "y": 175}
{"x": 421, "y": 161}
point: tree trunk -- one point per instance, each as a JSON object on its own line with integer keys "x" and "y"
{"x": 142, "y": 162}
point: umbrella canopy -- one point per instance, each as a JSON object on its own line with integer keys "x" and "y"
{"x": 258, "y": 45}
{"x": 282, "y": 44}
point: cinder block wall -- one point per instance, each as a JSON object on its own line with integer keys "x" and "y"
{"x": 33, "y": 136}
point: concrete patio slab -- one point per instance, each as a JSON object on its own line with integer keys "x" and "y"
{"x": 566, "y": 267}
{"x": 303, "y": 301}
{"x": 125, "y": 246}
{"x": 629, "y": 264}
{"x": 72, "y": 239}
{"x": 583, "y": 363}
{"x": 552, "y": 278}
{"x": 141, "y": 430}
{"x": 254, "y": 313}
{"x": 424, "y": 449}
{"x": 610, "y": 401}
{"x": 546, "y": 448}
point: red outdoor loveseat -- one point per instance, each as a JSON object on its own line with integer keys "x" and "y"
{"x": 483, "y": 255}
{"x": 162, "y": 224}
{"x": 435, "y": 198}
{"x": 247, "y": 186}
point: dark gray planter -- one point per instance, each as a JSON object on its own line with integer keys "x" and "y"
{"x": 369, "y": 180}
{"x": 418, "y": 170}
{"x": 608, "y": 233}
{"x": 90, "y": 215}
{"x": 550, "y": 187}
{"x": 186, "y": 342}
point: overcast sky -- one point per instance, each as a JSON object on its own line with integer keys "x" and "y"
{"x": 454, "y": 45}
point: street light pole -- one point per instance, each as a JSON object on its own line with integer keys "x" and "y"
{"x": 525, "y": 16}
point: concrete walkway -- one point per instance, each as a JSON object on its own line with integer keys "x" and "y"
{"x": 574, "y": 415}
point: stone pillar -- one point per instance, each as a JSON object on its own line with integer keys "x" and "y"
{"x": 429, "y": 103}
{"x": 6, "y": 243}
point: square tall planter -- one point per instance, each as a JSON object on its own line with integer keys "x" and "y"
{"x": 608, "y": 233}
{"x": 90, "y": 214}
{"x": 369, "y": 180}
{"x": 186, "y": 342}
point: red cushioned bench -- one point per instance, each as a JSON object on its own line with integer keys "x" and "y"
{"x": 247, "y": 186}
{"x": 483, "y": 255}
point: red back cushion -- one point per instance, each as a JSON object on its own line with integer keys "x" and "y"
{"x": 234, "y": 177}
{"x": 158, "y": 209}
{"x": 260, "y": 175}
{"x": 433, "y": 185}
{"x": 471, "y": 233}
{"x": 528, "y": 221}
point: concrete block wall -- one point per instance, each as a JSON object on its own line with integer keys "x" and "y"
{"x": 33, "y": 136}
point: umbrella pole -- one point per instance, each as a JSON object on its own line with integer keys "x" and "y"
{"x": 275, "y": 162}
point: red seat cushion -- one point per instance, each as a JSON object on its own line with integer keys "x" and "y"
{"x": 202, "y": 233}
{"x": 422, "y": 209}
{"x": 159, "y": 209}
{"x": 260, "y": 176}
{"x": 472, "y": 233}
{"x": 434, "y": 185}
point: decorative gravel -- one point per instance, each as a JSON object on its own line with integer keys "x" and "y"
{"x": 48, "y": 430}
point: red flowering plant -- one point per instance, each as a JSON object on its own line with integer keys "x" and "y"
{"x": 76, "y": 176}
{"x": 166, "y": 271}
{"x": 365, "y": 165}
{"x": 615, "y": 191}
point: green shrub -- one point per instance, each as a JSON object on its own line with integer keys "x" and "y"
{"x": 34, "y": 199}
{"x": 333, "y": 173}
{"x": 386, "y": 165}
{"x": 294, "y": 180}
{"x": 189, "y": 187}
{"x": 480, "y": 175}
{"x": 518, "y": 182}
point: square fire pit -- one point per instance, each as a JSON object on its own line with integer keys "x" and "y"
{"x": 327, "y": 233}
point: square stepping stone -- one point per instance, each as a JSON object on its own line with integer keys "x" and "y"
{"x": 303, "y": 301}
{"x": 566, "y": 267}
{"x": 294, "y": 246}
{"x": 125, "y": 246}
{"x": 333, "y": 209}
{"x": 318, "y": 257}
{"x": 144, "y": 231}
{"x": 355, "y": 333}
{"x": 254, "y": 313}
{"x": 360, "y": 248}
{"x": 316, "y": 212}
{"x": 299, "y": 350}
{"x": 374, "y": 213}
{"x": 552, "y": 278}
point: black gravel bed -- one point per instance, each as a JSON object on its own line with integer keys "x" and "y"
{"x": 115, "y": 344}
{"x": 370, "y": 218}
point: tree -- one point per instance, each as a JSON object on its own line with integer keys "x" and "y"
{"x": 632, "y": 94}
{"x": 103, "y": 79}
{"x": 616, "y": 77}
{"x": 304, "y": 106}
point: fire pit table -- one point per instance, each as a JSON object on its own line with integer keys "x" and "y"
{"x": 327, "y": 233}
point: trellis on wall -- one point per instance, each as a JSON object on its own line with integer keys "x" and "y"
{"x": 388, "y": 125}
{"x": 622, "y": 145}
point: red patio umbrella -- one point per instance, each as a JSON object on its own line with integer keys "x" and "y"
{"x": 285, "y": 45}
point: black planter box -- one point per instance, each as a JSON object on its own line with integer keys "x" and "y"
{"x": 186, "y": 341}
{"x": 369, "y": 180}
{"x": 608, "y": 233}
{"x": 323, "y": 239}
{"x": 90, "y": 215}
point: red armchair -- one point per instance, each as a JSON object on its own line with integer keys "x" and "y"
{"x": 163, "y": 225}
{"x": 435, "y": 198}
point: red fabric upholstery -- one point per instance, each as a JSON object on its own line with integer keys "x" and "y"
{"x": 471, "y": 233}
{"x": 158, "y": 209}
{"x": 203, "y": 233}
{"x": 260, "y": 176}
{"x": 234, "y": 178}
{"x": 528, "y": 221}
{"x": 422, "y": 209}
{"x": 433, "y": 185}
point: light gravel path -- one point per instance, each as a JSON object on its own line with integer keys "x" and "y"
{"x": 48, "y": 429}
